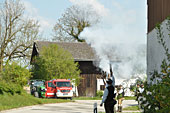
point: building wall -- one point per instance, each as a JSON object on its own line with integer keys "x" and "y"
{"x": 87, "y": 67}
{"x": 158, "y": 10}
{"x": 155, "y": 51}
{"x": 100, "y": 84}
{"x": 88, "y": 85}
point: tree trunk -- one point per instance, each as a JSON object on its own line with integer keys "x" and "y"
{"x": 1, "y": 64}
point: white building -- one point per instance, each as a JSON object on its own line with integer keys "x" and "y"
{"x": 158, "y": 10}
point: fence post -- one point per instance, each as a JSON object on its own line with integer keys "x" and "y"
{"x": 95, "y": 107}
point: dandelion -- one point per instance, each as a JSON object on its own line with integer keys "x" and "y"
{"x": 143, "y": 98}
{"x": 149, "y": 93}
{"x": 156, "y": 108}
{"x": 149, "y": 106}
{"x": 145, "y": 104}
{"x": 168, "y": 69}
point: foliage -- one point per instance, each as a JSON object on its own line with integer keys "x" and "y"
{"x": 133, "y": 87}
{"x": 156, "y": 97}
{"x": 17, "y": 32}
{"x": 55, "y": 63}
{"x": 8, "y": 101}
{"x": 129, "y": 97}
{"x": 16, "y": 74}
{"x": 132, "y": 108}
{"x": 74, "y": 20}
{"x": 7, "y": 87}
{"x": 139, "y": 82}
{"x": 99, "y": 93}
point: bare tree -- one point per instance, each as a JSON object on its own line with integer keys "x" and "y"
{"x": 73, "y": 22}
{"x": 16, "y": 31}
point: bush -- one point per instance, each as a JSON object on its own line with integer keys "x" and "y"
{"x": 99, "y": 93}
{"x": 15, "y": 73}
{"x": 156, "y": 97}
{"x": 10, "y": 88}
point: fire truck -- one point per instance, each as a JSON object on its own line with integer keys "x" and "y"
{"x": 59, "y": 88}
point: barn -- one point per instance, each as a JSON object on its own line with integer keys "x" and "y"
{"x": 85, "y": 56}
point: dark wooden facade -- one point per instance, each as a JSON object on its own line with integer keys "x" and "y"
{"x": 88, "y": 86}
{"x": 88, "y": 83}
{"x": 87, "y": 67}
{"x": 158, "y": 10}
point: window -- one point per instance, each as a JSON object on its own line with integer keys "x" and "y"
{"x": 49, "y": 84}
{"x": 102, "y": 87}
{"x": 63, "y": 84}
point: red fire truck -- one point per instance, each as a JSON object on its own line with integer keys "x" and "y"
{"x": 59, "y": 88}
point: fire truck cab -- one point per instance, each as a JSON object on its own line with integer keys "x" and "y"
{"x": 59, "y": 88}
{"x": 50, "y": 89}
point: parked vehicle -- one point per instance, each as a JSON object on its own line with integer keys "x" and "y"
{"x": 59, "y": 88}
{"x": 37, "y": 88}
{"x": 50, "y": 89}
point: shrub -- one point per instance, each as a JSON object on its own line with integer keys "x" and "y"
{"x": 15, "y": 73}
{"x": 156, "y": 97}
{"x": 10, "y": 88}
{"x": 99, "y": 93}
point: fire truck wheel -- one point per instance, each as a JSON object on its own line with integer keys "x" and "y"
{"x": 36, "y": 94}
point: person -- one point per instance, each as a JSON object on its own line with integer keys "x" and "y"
{"x": 108, "y": 97}
{"x": 137, "y": 92}
{"x": 141, "y": 89}
{"x": 120, "y": 98}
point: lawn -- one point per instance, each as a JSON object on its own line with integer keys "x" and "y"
{"x": 121, "y": 112}
{"x": 132, "y": 108}
{"x": 8, "y": 101}
{"x": 130, "y": 98}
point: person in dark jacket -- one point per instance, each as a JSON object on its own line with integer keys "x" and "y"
{"x": 108, "y": 97}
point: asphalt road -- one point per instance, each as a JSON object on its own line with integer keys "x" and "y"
{"x": 79, "y": 106}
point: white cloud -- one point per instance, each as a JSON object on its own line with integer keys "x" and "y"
{"x": 46, "y": 24}
{"x": 100, "y": 8}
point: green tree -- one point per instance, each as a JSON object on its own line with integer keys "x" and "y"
{"x": 16, "y": 73}
{"x": 55, "y": 63}
{"x": 17, "y": 32}
{"x": 74, "y": 20}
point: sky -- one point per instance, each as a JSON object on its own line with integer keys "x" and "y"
{"x": 132, "y": 13}
{"x": 123, "y": 26}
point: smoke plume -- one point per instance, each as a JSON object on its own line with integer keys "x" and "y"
{"x": 119, "y": 38}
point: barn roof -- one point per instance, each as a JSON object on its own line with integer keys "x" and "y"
{"x": 80, "y": 51}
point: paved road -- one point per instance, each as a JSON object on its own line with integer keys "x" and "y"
{"x": 79, "y": 106}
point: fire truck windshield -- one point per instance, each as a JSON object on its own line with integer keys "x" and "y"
{"x": 63, "y": 84}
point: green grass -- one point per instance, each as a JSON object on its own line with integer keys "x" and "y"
{"x": 87, "y": 98}
{"x": 123, "y": 112}
{"x": 8, "y": 101}
{"x": 130, "y": 98}
{"x": 132, "y": 108}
